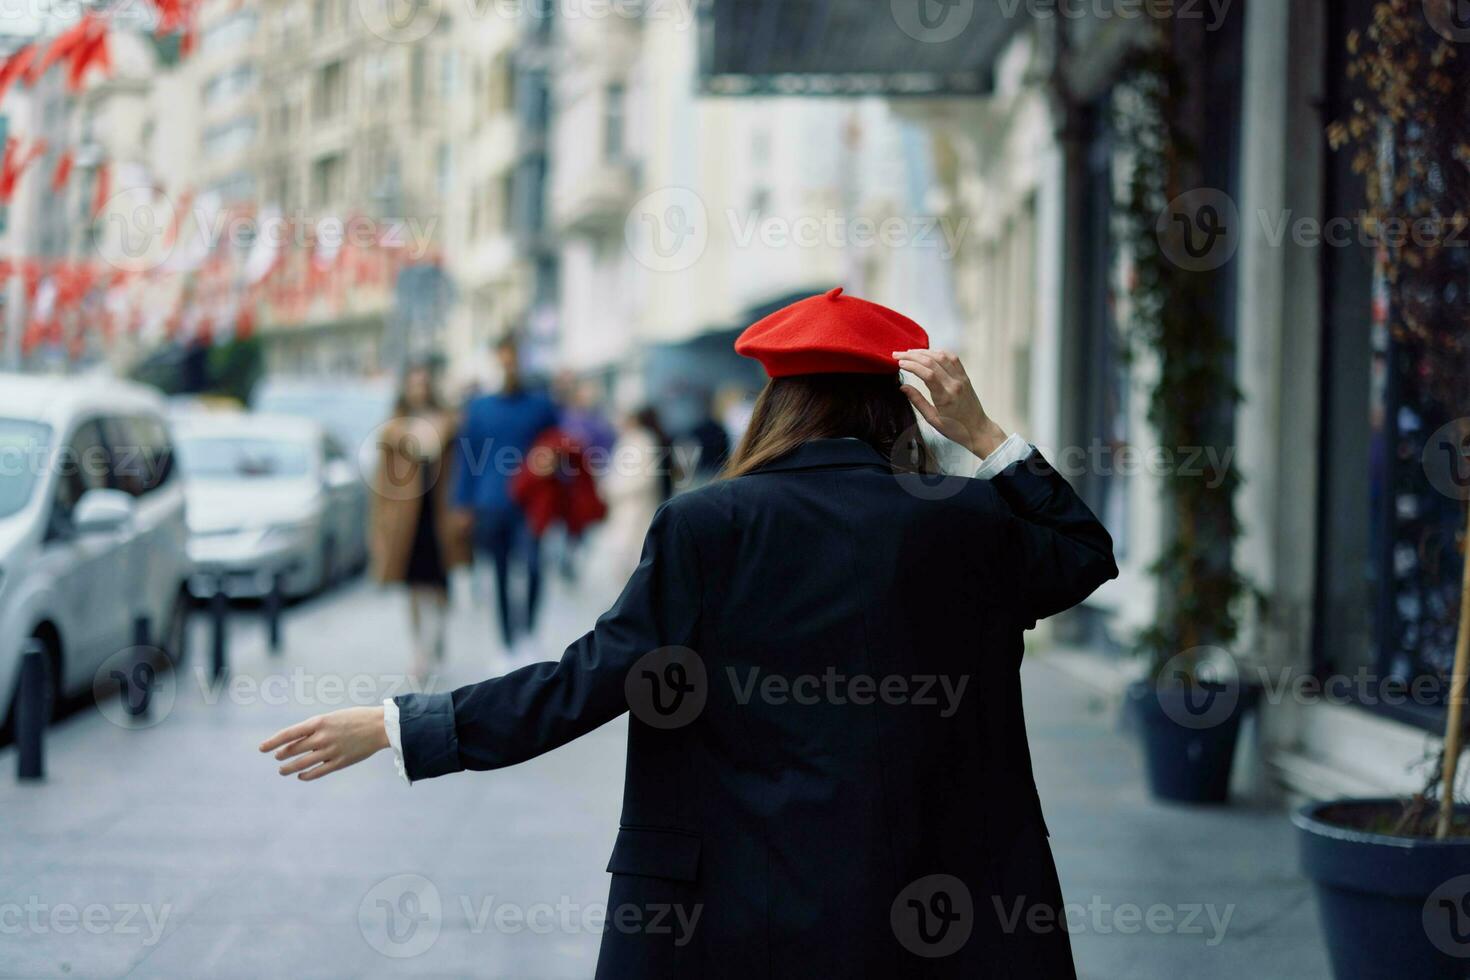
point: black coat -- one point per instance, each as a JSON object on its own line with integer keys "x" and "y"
{"x": 827, "y": 771}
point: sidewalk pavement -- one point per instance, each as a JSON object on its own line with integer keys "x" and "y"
{"x": 176, "y": 851}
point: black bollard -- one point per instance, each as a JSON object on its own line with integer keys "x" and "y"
{"x": 275, "y": 602}
{"x": 32, "y": 711}
{"x": 180, "y": 641}
{"x": 219, "y": 613}
{"x": 140, "y": 672}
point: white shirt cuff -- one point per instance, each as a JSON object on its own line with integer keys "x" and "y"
{"x": 395, "y": 737}
{"x": 1008, "y": 453}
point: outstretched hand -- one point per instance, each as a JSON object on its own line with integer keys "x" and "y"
{"x": 955, "y": 411}
{"x": 326, "y": 743}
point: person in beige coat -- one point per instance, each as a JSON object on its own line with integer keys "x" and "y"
{"x": 415, "y": 539}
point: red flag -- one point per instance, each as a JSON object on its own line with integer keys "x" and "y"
{"x": 62, "y": 173}
{"x": 92, "y": 52}
{"x": 16, "y": 67}
{"x": 101, "y": 189}
{"x": 65, "y": 45}
{"x": 14, "y": 163}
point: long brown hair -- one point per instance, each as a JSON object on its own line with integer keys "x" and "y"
{"x": 794, "y": 410}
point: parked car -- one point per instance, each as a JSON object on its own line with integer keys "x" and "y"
{"x": 92, "y": 526}
{"x": 268, "y": 494}
{"x": 349, "y": 408}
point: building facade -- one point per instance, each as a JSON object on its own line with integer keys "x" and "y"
{"x": 1350, "y": 545}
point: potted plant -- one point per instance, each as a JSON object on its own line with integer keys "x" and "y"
{"x": 1189, "y": 705}
{"x": 1393, "y": 875}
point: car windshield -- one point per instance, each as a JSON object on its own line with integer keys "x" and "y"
{"x": 241, "y": 457}
{"x": 24, "y": 447}
{"x": 350, "y": 414}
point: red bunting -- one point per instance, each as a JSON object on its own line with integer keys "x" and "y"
{"x": 101, "y": 188}
{"x": 16, "y": 67}
{"x": 244, "y": 323}
{"x": 62, "y": 173}
{"x": 13, "y": 164}
{"x": 66, "y": 44}
{"x": 91, "y": 53}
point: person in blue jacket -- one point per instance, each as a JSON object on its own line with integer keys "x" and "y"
{"x": 827, "y": 765}
{"x": 497, "y": 432}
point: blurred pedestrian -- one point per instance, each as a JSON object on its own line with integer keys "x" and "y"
{"x": 821, "y": 829}
{"x": 639, "y": 478}
{"x": 583, "y": 421}
{"x": 498, "y": 431}
{"x": 413, "y": 538}
{"x": 555, "y": 487}
{"x": 582, "y": 417}
{"x": 712, "y": 440}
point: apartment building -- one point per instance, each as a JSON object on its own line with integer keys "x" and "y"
{"x": 680, "y": 219}
{"x": 345, "y": 124}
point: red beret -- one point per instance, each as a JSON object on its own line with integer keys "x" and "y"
{"x": 831, "y": 334}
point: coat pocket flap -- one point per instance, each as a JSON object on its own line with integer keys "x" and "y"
{"x": 655, "y": 854}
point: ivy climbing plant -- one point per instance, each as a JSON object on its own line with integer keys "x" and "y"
{"x": 1192, "y": 399}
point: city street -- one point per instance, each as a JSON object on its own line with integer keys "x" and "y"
{"x": 176, "y": 851}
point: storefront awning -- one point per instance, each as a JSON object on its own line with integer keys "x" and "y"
{"x": 852, "y": 47}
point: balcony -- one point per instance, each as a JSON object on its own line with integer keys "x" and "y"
{"x": 595, "y": 198}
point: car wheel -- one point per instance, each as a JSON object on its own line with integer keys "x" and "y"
{"x": 329, "y": 566}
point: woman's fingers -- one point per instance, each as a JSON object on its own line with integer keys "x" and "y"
{"x": 331, "y": 765}
{"x": 939, "y": 370}
{"x": 312, "y": 758}
{"x": 329, "y": 742}
{"x": 299, "y": 746}
{"x": 918, "y": 369}
{"x": 921, "y": 405}
{"x": 287, "y": 735}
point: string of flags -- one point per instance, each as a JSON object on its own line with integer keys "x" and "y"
{"x": 209, "y": 287}
{"x": 81, "y": 50}
{"x": 198, "y": 285}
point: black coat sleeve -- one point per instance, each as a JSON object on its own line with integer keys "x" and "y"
{"x": 537, "y": 708}
{"x": 1056, "y": 547}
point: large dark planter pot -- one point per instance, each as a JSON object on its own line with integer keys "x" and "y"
{"x": 1391, "y": 907}
{"x": 1189, "y": 737}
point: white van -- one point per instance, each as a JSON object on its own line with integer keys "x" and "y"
{"x": 92, "y": 531}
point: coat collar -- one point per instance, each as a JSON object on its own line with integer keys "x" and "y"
{"x": 825, "y": 453}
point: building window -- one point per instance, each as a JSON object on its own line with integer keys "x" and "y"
{"x": 331, "y": 91}
{"x": 444, "y": 168}
{"x": 614, "y": 121}
{"x": 230, "y": 85}
{"x": 228, "y": 139}
{"x": 1388, "y": 564}
{"x": 328, "y": 180}
{"x": 230, "y": 33}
